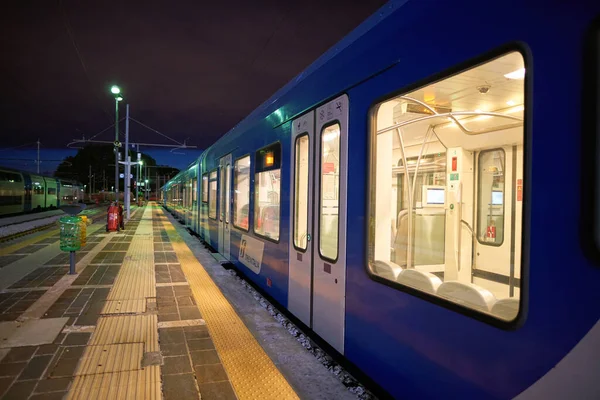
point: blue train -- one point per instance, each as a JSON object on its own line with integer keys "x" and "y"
{"x": 22, "y": 191}
{"x": 404, "y": 198}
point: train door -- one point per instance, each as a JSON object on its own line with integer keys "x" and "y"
{"x": 318, "y": 291}
{"x": 300, "y": 275}
{"x": 498, "y": 178}
{"x": 224, "y": 205}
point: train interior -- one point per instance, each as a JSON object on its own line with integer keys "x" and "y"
{"x": 447, "y": 187}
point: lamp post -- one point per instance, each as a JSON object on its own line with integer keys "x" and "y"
{"x": 139, "y": 176}
{"x": 116, "y": 91}
{"x": 146, "y": 190}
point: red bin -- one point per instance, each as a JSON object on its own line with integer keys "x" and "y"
{"x": 112, "y": 218}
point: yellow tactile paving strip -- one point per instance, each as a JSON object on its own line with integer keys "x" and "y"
{"x": 251, "y": 372}
{"x": 135, "y": 306}
{"x": 124, "y": 337}
{"x": 111, "y": 358}
{"x": 140, "y": 384}
{"x": 127, "y": 329}
{"x": 136, "y": 278}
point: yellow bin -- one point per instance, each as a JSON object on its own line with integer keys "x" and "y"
{"x": 82, "y": 230}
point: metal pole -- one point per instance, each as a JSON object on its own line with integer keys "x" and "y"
{"x": 116, "y": 149}
{"x": 72, "y": 263}
{"x": 90, "y": 184}
{"x": 38, "y": 156}
{"x": 127, "y": 181}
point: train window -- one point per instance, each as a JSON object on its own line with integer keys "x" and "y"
{"x": 301, "y": 192}
{"x": 37, "y": 189}
{"x": 51, "y": 190}
{"x": 446, "y": 192}
{"x": 205, "y": 188}
{"x": 267, "y": 191}
{"x": 490, "y": 201}
{"x": 212, "y": 198}
{"x": 194, "y": 191}
{"x": 330, "y": 190}
{"x": 241, "y": 193}
{"x": 11, "y": 177}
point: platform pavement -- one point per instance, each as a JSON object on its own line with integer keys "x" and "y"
{"x": 141, "y": 320}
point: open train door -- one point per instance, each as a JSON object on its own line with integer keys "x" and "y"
{"x": 319, "y": 180}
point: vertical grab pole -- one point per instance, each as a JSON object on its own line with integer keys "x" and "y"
{"x": 72, "y": 263}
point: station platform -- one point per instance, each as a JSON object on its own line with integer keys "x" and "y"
{"x": 141, "y": 319}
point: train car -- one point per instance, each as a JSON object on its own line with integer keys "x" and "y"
{"x": 395, "y": 199}
{"x": 22, "y": 191}
{"x": 12, "y": 192}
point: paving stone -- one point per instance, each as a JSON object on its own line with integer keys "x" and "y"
{"x": 12, "y": 369}
{"x": 200, "y": 344}
{"x": 217, "y": 391}
{"x": 74, "y": 339}
{"x": 53, "y": 385}
{"x": 176, "y": 365}
{"x": 173, "y": 349}
{"x": 168, "y": 317}
{"x": 179, "y": 387}
{"x": 210, "y": 373}
{"x": 47, "y": 349}
{"x": 72, "y": 352}
{"x": 5, "y": 383}
{"x": 171, "y": 335}
{"x": 197, "y": 334}
{"x": 184, "y": 301}
{"x": 35, "y": 368}
{"x": 189, "y": 313}
{"x": 64, "y": 367}
{"x": 20, "y": 390}
{"x": 19, "y": 354}
{"x": 167, "y": 309}
{"x": 204, "y": 357}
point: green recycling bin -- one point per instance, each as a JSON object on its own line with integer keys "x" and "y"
{"x": 70, "y": 233}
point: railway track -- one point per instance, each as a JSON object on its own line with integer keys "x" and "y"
{"x": 7, "y": 238}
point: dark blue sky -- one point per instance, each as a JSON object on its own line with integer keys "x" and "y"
{"x": 190, "y": 69}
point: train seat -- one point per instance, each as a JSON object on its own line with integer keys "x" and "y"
{"x": 386, "y": 269}
{"x": 421, "y": 280}
{"x": 507, "y": 308}
{"x": 468, "y": 294}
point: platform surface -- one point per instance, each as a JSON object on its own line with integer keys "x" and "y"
{"x": 141, "y": 319}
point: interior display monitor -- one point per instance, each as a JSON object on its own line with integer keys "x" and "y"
{"x": 497, "y": 198}
{"x": 434, "y": 196}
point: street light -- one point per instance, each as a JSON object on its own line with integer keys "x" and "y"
{"x": 146, "y": 189}
{"x": 118, "y": 97}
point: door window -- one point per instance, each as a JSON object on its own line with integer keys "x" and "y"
{"x": 330, "y": 191}
{"x": 301, "y": 192}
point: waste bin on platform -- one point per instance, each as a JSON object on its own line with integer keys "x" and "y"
{"x": 70, "y": 233}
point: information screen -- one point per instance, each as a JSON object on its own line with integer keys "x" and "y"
{"x": 435, "y": 196}
{"x": 497, "y": 198}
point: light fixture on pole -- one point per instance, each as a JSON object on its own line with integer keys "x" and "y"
{"x": 116, "y": 91}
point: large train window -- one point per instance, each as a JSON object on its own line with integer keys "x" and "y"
{"x": 205, "y": 188}
{"x": 212, "y": 197}
{"x": 445, "y": 206}
{"x": 267, "y": 191}
{"x": 241, "y": 193}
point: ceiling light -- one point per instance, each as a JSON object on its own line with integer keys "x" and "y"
{"x": 518, "y": 74}
{"x": 510, "y": 103}
{"x": 478, "y": 110}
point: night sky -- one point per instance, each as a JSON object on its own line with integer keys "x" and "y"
{"x": 189, "y": 69}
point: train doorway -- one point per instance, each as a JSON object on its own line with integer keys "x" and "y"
{"x": 317, "y": 283}
{"x": 225, "y": 205}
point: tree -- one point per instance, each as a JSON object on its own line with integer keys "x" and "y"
{"x": 101, "y": 159}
